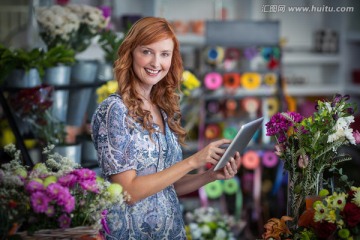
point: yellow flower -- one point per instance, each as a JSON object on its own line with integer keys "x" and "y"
{"x": 106, "y": 89}
{"x": 320, "y": 211}
{"x": 189, "y": 83}
{"x": 356, "y": 198}
{"x": 338, "y": 200}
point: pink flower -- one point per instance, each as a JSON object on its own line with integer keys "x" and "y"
{"x": 303, "y": 161}
{"x": 89, "y": 185}
{"x": 56, "y": 191}
{"x": 64, "y": 221}
{"x": 39, "y": 202}
{"x": 34, "y": 186}
{"x": 68, "y": 180}
{"x": 279, "y": 149}
{"x": 69, "y": 204}
{"x": 356, "y": 135}
{"x": 50, "y": 211}
{"x": 85, "y": 174}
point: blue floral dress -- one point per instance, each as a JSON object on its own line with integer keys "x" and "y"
{"x": 122, "y": 144}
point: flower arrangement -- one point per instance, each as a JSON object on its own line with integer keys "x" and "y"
{"x": 208, "y": 223}
{"x": 336, "y": 215}
{"x": 308, "y": 146}
{"x": 33, "y": 106}
{"x": 55, "y": 194}
{"x": 73, "y": 25}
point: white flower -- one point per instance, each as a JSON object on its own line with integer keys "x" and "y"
{"x": 205, "y": 229}
{"x": 220, "y": 234}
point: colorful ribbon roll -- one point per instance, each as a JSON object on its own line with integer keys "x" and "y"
{"x": 230, "y": 132}
{"x": 214, "y": 189}
{"x": 251, "y": 80}
{"x": 270, "y": 79}
{"x": 232, "y": 53}
{"x": 213, "y": 106}
{"x": 231, "y": 186}
{"x": 214, "y": 55}
{"x": 213, "y": 80}
{"x": 272, "y": 105}
{"x": 212, "y": 131}
{"x": 250, "y": 53}
{"x": 269, "y": 159}
{"x": 251, "y": 160}
{"x": 231, "y": 80}
{"x": 251, "y": 104}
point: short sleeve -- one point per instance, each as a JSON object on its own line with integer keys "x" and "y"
{"x": 113, "y": 138}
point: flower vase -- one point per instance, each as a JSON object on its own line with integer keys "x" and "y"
{"x": 59, "y": 76}
{"x": 297, "y": 194}
{"x": 83, "y": 72}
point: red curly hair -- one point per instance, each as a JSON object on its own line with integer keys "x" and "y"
{"x": 165, "y": 93}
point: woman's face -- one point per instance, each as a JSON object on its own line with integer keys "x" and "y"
{"x": 152, "y": 62}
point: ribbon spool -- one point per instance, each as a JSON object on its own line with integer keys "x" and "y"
{"x": 251, "y": 104}
{"x": 269, "y": 159}
{"x": 251, "y": 160}
{"x": 214, "y": 55}
{"x": 214, "y": 189}
{"x": 231, "y": 80}
{"x": 230, "y": 132}
{"x": 270, "y": 79}
{"x": 250, "y": 53}
{"x": 232, "y": 53}
{"x": 213, "y": 107}
{"x": 251, "y": 80}
{"x": 213, "y": 80}
{"x": 231, "y": 186}
{"x": 272, "y": 106}
{"x": 212, "y": 131}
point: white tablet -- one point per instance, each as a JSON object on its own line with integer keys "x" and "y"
{"x": 240, "y": 141}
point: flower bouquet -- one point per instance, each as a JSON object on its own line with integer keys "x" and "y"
{"x": 309, "y": 146}
{"x": 73, "y": 25}
{"x": 208, "y": 223}
{"x": 56, "y": 198}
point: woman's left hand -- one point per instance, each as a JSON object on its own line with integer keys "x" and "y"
{"x": 229, "y": 171}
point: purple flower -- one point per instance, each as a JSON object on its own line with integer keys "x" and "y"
{"x": 85, "y": 174}
{"x": 39, "y": 202}
{"x": 50, "y": 211}
{"x": 55, "y": 191}
{"x": 69, "y": 204}
{"x": 68, "y": 180}
{"x": 104, "y": 222}
{"x": 64, "y": 221}
{"x": 279, "y": 125}
{"x": 34, "y": 186}
{"x": 89, "y": 185}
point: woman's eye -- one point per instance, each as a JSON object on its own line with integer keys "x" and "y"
{"x": 166, "y": 54}
{"x": 146, "y": 52}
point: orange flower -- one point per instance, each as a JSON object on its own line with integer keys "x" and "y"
{"x": 275, "y": 228}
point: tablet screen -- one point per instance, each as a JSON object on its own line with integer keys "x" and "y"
{"x": 240, "y": 141}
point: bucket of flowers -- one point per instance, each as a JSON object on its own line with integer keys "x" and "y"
{"x": 55, "y": 199}
{"x": 209, "y": 223}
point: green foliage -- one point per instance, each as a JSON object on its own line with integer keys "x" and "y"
{"x": 109, "y": 42}
{"x": 58, "y": 55}
{"x": 20, "y": 59}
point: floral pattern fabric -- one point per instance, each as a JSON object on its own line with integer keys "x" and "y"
{"x": 122, "y": 144}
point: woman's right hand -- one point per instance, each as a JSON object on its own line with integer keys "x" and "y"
{"x": 209, "y": 154}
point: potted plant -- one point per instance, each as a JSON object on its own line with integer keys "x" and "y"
{"x": 57, "y": 64}
{"x": 20, "y": 67}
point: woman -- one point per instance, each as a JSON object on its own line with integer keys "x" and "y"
{"x": 138, "y": 137}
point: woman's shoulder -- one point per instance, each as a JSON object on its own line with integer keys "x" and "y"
{"x": 111, "y": 100}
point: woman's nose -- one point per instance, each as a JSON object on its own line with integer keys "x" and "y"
{"x": 155, "y": 61}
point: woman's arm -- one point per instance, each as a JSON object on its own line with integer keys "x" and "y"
{"x": 140, "y": 187}
{"x": 191, "y": 182}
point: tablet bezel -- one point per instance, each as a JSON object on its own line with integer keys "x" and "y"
{"x": 240, "y": 141}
